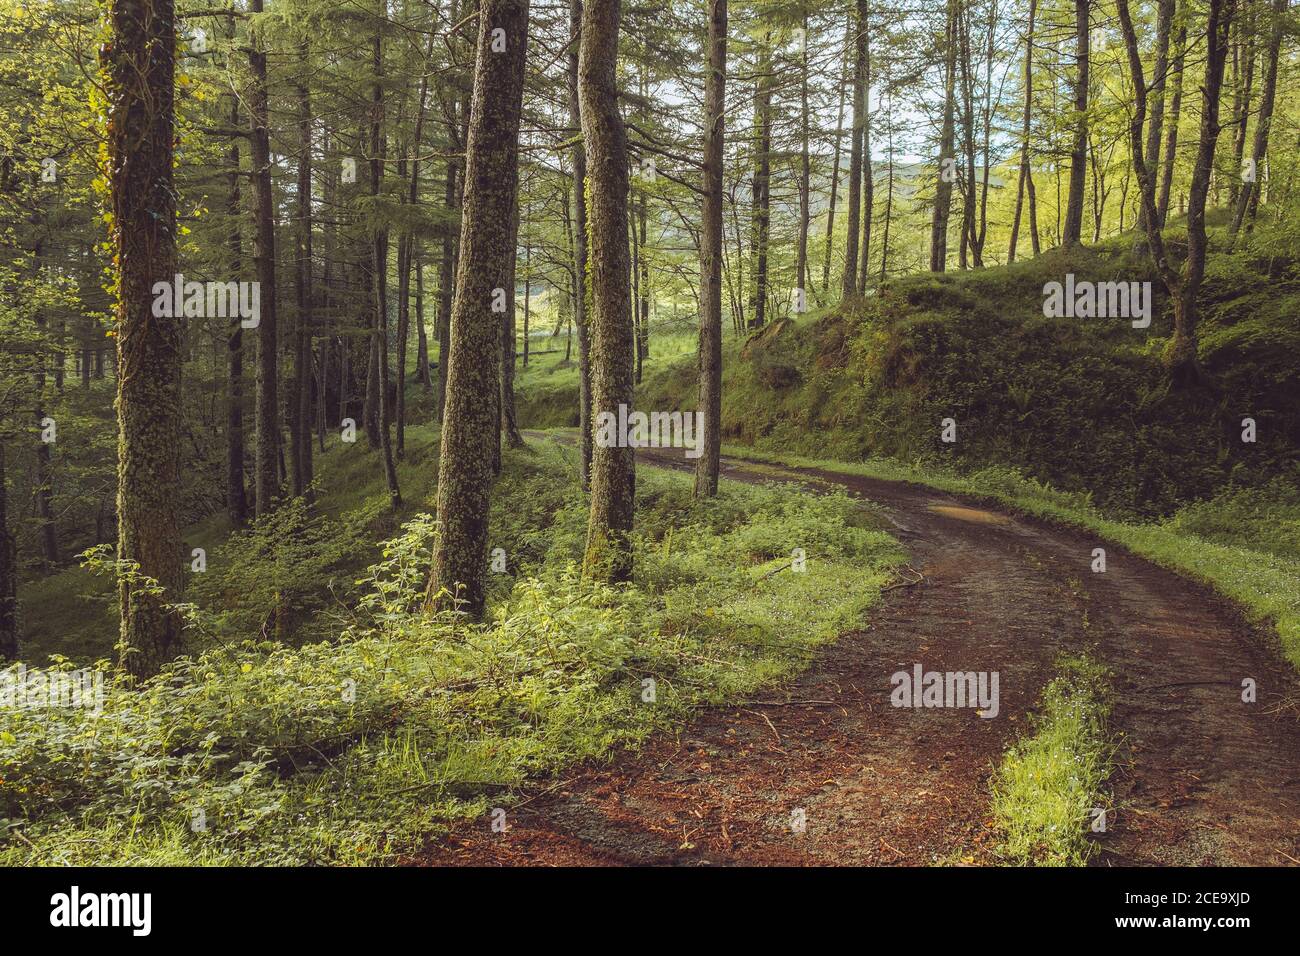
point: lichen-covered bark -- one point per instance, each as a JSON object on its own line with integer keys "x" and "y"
{"x": 609, "y": 553}
{"x": 469, "y": 435}
{"x": 715, "y": 82}
{"x": 139, "y": 65}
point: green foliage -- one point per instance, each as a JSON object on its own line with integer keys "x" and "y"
{"x": 1050, "y": 781}
{"x": 1084, "y": 404}
{"x": 356, "y": 749}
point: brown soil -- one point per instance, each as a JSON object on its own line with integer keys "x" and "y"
{"x": 1201, "y": 778}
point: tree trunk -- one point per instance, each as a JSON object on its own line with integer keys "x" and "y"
{"x": 1248, "y": 200}
{"x": 801, "y": 277}
{"x": 474, "y": 345}
{"x": 1026, "y": 172}
{"x": 868, "y": 177}
{"x": 1171, "y": 142}
{"x": 509, "y": 421}
{"x": 1181, "y": 354}
{"x": 835, "y": 161}
{"x": 609, "y": 547}
{"x": 849, "y": 280}
{"x": 379, "y": 263}
{"x": 236, "y": 499}
{"x": 585, "y": 422}
{"x": 761, "y": 190}
{"x": 1072, "y": 231}
{"x": 710, "y": 349}
{"x": 1159, "y": 83}
{"x": 267, "y": 412}
{"x": 947, "y": 160}
{"x": 446, "y": 279}
{"x": 139, "y": 69}
{"x": 421, "y": 333}
{"x": 300, "y": 408}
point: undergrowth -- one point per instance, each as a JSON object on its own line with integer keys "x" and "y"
{"x": 357, "y": 749}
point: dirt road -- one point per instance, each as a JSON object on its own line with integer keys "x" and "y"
{"x": 1201, "y": 778}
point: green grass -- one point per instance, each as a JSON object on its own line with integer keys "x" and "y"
{"x": 357, "y": 749}
{"x": 1050, "y": 781}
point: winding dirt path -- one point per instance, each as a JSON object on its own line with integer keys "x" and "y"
{"x": 1201, "y": 778}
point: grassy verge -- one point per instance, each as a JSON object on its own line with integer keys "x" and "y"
{"x": 356, "y": 749}
{"x": 1258, "y": 569}
{"x": 1050, "y": 782}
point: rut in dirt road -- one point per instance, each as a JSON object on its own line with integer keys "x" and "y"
{"x": 1201, "y": 777}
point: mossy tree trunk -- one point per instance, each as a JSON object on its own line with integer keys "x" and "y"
{"x": 469, "y": 435}
{"x": 609, "y": 548}
{"x": 139, "y": 67}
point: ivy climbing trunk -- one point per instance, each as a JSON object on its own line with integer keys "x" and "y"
{"x": 138, "y": 73}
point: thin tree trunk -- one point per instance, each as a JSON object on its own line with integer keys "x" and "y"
{"x": 849, "y": 279}
{"x": 835, "y": 162}
{"x": 868, "y": 178}
{"x": 1026, "y": 172}
{"x": 585, "y": 417}
{"x": 710, "y": 349}
{"x": 761, "y": 192}
{"x": 509, "y": 421}
{"x": 379, "y": 262}
{"x": 1072, "y": 231}
{"x": 1181, "y": 354}
{"x": 1248, "y": 200}
{"x": 1171, "y": 142}
{"x": 421, "y": 333}
{"x": 236, "y": 500}
{"x": 947, "y": 159}
{"x": 801, "y": 277}
{"x": 1159, "y": 83}
{"x": 300, "y": 411}
{"x": 267, "y": 413}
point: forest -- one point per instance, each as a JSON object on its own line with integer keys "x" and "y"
{"x": 458, "y": 433}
